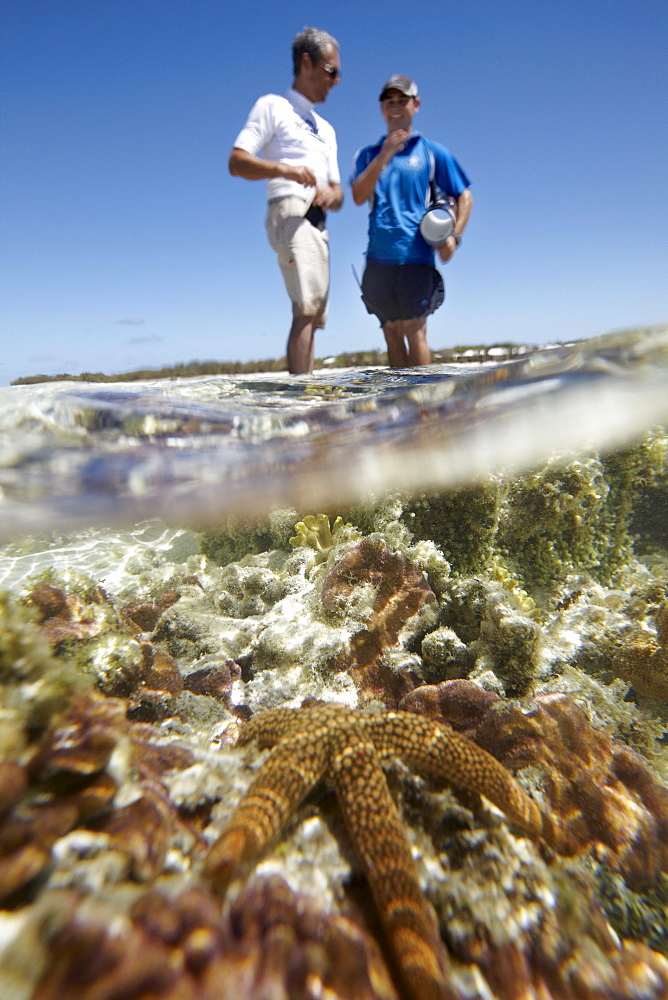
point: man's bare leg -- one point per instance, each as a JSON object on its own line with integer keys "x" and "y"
{"x": 415, "y": 331}
{"x": 401, "y": 354}
{"x": 397, "y": 352}
{"x": 301, "y": 345}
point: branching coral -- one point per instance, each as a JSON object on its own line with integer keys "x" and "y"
{"x": 551, "y": 520}
{"x": 237, "y": 537}
{"x": 463, "y": 522}
{"x": 315, "y": 533}
{"x": 650, "y": 511}
{"x": 496, "y": 632}
{"x": 572, "y": 515}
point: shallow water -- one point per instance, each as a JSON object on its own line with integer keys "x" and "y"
{"x": 196, "y": 450}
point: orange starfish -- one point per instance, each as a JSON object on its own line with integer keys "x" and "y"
{"x": 349, "y": 747}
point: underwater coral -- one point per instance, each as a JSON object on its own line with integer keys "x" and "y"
{"x": 644, "y": 661}
{"x": 523, "y": 619}
{"x": 400, "y": 592}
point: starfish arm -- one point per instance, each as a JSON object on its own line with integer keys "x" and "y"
{"x": 275, "y": 724}
{"x": 288, "y": 774}
{"x": 270, "y": 727}
{"x": 377, "y": 833}
{"x": 438, "y": 752}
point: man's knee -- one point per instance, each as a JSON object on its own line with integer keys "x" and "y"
{"x": 415, "y": 329}
{"x": 393, "y": 331}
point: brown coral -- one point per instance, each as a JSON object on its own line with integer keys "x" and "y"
{"x": 149, "y": 682}
{"x": 64, "y": 784}
{"x": 401, "y": 591}
{"x": 63, "y": 616}
{"x": 142, "y": 616}
{"x": 644, "y": 662}
{"x": 214, "y": 681}
{"x": 269, "y": 942}
{"x": 602, "y": 793}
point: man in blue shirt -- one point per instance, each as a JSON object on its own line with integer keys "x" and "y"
{"x": 401, "y": 286}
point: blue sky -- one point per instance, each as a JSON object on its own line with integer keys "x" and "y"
{"x": 126, "y": 244}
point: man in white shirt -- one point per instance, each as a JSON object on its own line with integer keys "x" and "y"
{"x": 299, "y": 161}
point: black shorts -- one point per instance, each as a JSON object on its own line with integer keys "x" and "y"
{"x": 401, "y": 291}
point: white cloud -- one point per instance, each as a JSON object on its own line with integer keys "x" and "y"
{"x": 150, "y": 338}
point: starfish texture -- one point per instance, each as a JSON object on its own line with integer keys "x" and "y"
{"x": 349, "y": 747}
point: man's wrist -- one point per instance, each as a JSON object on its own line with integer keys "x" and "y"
{"x": 457, "y": 237}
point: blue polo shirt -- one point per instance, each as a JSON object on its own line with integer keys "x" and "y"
{"x": 402, "y": 195}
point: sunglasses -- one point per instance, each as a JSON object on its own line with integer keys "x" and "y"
{"x": 332, "y": 71}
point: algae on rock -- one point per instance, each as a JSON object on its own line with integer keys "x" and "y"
{"x": 34, "y": 684}
{"x": 238, "y": 537}
{"x": 576, "y": 514}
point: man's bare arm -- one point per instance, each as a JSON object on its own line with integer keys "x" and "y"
{"x": 364, "y": 185}
{"x": 254, "y": 168}
{"x": 463, "y": 211}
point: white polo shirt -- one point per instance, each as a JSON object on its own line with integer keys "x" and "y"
{"x": 288, "y": 130}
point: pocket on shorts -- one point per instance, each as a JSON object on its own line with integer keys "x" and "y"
{"x": 283, "y": 219}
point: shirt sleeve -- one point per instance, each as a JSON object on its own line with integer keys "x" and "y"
{"x": 449, "y": 175}
{"x": 361, "y": 161}
{"x": 333, "y": 156}
{"x": 259, "y": 128}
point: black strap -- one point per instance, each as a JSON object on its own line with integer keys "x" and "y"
{"x": 316, "y": 216}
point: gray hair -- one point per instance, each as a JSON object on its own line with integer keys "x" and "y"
{"x": 313, "y": 41}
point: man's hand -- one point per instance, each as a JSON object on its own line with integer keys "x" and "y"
{"x": 325, "y": 196}
{"x": 393, "y": 143}
{"x": 448, "y": 249}
{"x": 254, "y": 168}
{"x": 363, "y": 186}
{"x": 301, "y": 174}
{"x": 329, "y": 196}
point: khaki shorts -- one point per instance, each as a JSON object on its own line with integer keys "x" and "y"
{"x": 303, "y": 256}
